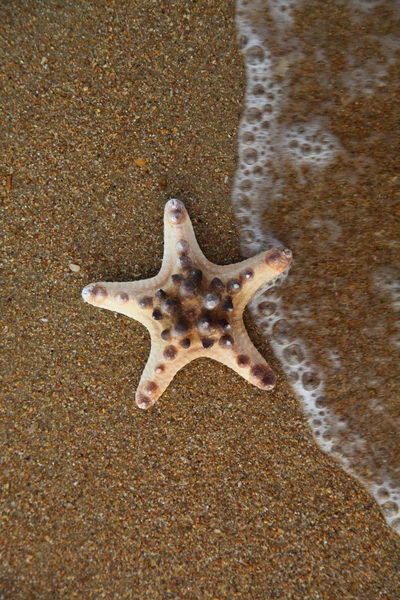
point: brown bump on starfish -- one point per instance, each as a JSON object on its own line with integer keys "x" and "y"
{"x": 246, "y": 275}
{"x": 94, "y": 293}
{"x": 170, "y": 352}
{"x": 216, "y": 285}
{"x": 145, "y": 302}
{"x": 176, "y": 278}
{"x": 180, "y": 328}
{"x": 166, "y": 335}
{"x": 189, "y": 288}
{"x": 243, "y": 360}
{"x": 121, "y": 297}
{"x": 226, "y": 341}
{"x": 183, "y": 262}
{"x": 265, "y": 376}
{"x": 185, "y": 343}
{"x": 207, "y": 342}
{"x": 176, "y": 211}
{"x": 147, "y": 394}
{"x": 205, "y": 325}
{"x": 159, "y": 369}
{"x": 99, "y": 292}
{"x": 223, "y": 325}
{"x": 160, "y": 294}
{"x": 191, "y": 313}
{"x": 233, "y": 286}
{"x": 228, "y": 304}
{"x": 278, "y": 258}
{"x": 211, "y": 300}
{"x": 196, "y": 274}
{"x": 171, "y": 305}
{"x": 151, "y": 389}
{"x": 157, "y": 314}
{"x": 182, "y": 247}
{"x": 144, "y": 401}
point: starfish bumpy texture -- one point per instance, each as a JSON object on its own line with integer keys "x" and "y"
{"x": 193, "y": 308}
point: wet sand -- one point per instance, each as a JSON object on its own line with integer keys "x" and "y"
{"x": 318, "y": 168}
{"x": 219, "y": 491}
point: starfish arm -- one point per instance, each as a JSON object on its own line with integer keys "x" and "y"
{"x": 181, "y": 250}
{"x": 179, "y": 237}
{"x": 238, "y": 352}
{"x": 162, "y": 365}
{"x": 131, "y": 298}
{"x": 246, "y": 277}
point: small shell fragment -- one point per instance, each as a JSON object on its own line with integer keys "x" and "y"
{"x": 74, "y": 268}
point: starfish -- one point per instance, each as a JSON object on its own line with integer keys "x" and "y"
{"x": 193, "y": 308}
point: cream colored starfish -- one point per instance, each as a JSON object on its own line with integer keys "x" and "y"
{"x": 192, "y": 308}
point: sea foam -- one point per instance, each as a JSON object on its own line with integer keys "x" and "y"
{"x": 271, "y": 146}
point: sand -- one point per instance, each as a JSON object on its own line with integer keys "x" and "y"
{"x": 108, "y": 109}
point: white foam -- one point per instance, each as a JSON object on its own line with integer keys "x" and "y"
{"x": 308, "y": 382}
{"x": 266, "y": 308}
{"x": 263, "y": 142}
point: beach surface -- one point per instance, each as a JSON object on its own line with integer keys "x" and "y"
{"x": 219, "y": 491}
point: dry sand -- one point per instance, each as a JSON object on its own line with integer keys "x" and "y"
{"x": 108, "y": 109}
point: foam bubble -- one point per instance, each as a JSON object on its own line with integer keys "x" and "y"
{"x": 309, "y": 144}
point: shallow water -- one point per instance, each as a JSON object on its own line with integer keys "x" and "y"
{"x": 318, "y": 172}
